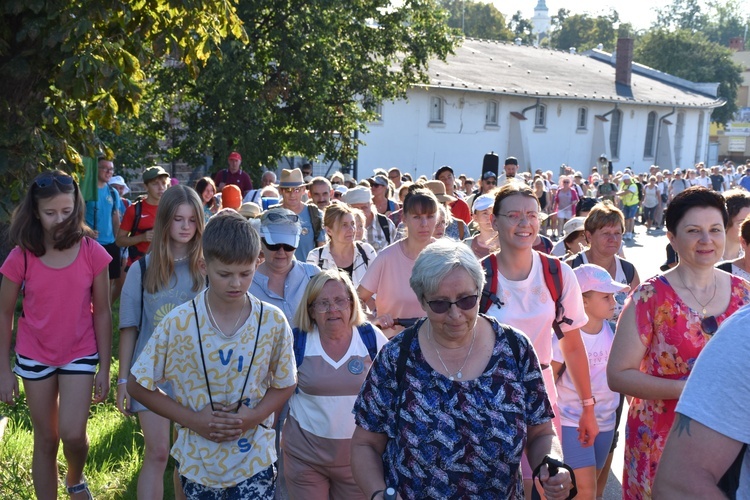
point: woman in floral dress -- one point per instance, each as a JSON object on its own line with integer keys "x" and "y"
{"x": 665, "y": 325}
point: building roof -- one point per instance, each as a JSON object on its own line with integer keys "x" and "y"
{"x": 509, "y": 69}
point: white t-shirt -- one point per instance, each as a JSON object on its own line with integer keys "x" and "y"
{"x": 598, "y": 346}
{"x": 717, "y": 393}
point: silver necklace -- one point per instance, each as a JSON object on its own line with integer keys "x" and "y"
{"x": 216, "y": 324}
{"x": 459, "y": 374}
{"x": 703, "y": 306}
{"x": 185, "y": 257}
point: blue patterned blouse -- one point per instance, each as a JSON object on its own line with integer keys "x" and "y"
{"x": 456, "y": 439}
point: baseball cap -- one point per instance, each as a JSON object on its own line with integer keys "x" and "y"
{"x": 489, "y": 174}
{"x": 444, "y": 168}
{"x": 573, "y": 225}
{"x": 379, "y": 180}
{"x": 511, "y": 160}
{"x": 152, "y": 173}
{"x": 357, "y": 195}
{"x": 231, "y": 197}
{"x": 626, "y": 177}
{"x": 483, "y": 202}
{"x": 234, "y": 155}
{"x": 280, "y": 226}
{"x": 596, "y": 278}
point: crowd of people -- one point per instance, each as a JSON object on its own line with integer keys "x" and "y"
{"x": 442, "y": 337}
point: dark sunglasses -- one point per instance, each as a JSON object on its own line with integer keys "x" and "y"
{"x": 442, "y": 306}
{"x": 279, "y": 246}
{"x": 491, "y": 183}
{"x": 709, "y": 325}
{"x": 46, "y": 181}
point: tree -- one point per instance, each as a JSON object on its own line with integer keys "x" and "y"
{"x": 476, "y": 19}
{"x": 585, "y": 32}
{"x": 521, "y": 28}
{"x": 681, "y": 14}
{"x": 70, "y": 67}
{"x": 690, "y": 55}
{"x": 718, "y": 20}
{"x": 311, "y": 76}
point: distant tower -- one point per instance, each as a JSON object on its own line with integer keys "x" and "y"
{"x": 540, "y": 22}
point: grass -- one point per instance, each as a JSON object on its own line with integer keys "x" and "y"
{"x": 115, "y": 453}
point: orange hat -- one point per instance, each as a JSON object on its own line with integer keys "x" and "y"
{"x": 231, "y": 197}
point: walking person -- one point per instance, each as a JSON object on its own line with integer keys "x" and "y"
{"x": 65, "y": 328}
{"x": 169, "y": 275}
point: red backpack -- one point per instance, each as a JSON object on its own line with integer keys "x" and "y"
{"x": 552, "y": 278}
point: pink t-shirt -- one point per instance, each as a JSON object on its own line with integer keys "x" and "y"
{"x": 58, "y": 323}
{"x": 388, "y": 277}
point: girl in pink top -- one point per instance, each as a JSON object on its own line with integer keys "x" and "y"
{"x": 64, "y": 330}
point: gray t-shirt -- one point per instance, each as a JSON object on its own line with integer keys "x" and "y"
{"x": 155, "y": 306}
{"x": 717, "y": 394}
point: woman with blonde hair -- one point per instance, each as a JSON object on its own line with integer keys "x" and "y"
{"x": 334, "y": 347}
{"x": 342, "y": 251}
{"x": 166, "y": 277}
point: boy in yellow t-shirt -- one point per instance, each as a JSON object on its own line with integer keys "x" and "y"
{"x": 230, "y": 361}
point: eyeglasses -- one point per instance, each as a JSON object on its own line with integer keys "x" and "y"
{"x": 515, "y": 218}
{"x": 277, "y": 217}
{"x": 107, "y": 169}
{"x": 442, "y": 306}
{"x": 46, "y": 180}
{"x": 279, "y": 246}
{"x": 338, "y": 304}
{"x": 709, "y": 325}
{"x": 292, "y": 190}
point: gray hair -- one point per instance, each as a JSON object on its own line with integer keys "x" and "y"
{"x": 437, "y": 260}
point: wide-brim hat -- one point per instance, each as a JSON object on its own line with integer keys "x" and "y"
{"x": 438, "y": 189}
{"x": 117, "y": 180}
{"x": 291, "y": 178}
{"x": 250, "y": 210}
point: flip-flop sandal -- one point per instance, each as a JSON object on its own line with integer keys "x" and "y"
{"x": 80, "y": 488}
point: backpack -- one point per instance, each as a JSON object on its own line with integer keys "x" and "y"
{"x": 133, "y": 251}
{"x": 383, "y": 222}
{"x": 366, "y": 333}
{"x": 552, "y": 278}
{"x": 639, "y": 186}
{"x": 96, "y": 205}
{"x": 627, "y": 268}
{"x": 359, "y": 248}
{"x": 730, "y": 481}
{"x": 315, "y": 220}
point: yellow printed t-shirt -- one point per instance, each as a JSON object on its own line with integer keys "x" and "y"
{"x": 173, "y": 355}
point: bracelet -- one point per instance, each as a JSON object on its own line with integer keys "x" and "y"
{"x": 121, "y": 381}
{"x": 378, "y": 492}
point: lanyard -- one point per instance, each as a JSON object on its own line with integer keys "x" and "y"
{"x": 203, "y": 359}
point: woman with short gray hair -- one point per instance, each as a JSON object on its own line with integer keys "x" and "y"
{"x": 449, "y": 402}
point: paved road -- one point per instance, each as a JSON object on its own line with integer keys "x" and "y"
{"x": 647, "y": 252}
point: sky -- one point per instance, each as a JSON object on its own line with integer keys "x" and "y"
{"x": 640, "y": 13}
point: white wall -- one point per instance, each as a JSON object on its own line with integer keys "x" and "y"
{"x": 406, "y": 139}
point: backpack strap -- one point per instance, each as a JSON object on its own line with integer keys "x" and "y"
{"x": 142, "y": 264}
{"x": 114, "y": 197}
{"x": 320, "y": 257}
{"x": 725, "y": 266}
{"x": 576, "y": 261}
{"x": 367, "y": 334}
{"x": 553, "y": 279}
{"x": 315, "y": 220}
{"x": 489, "y": 290}
{"x": 137, "y": 218}
{"x": 300, "y": 341}
{"x": 383, "y": 222}
{"x": 362, "y": 252}
{"x": 629, "y": 270}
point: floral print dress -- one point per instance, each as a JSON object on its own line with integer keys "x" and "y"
{"x": 673, "y": 337}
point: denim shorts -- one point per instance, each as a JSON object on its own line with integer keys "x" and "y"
{"x": 629, "y": 211}
{"x": 262, "y": 486}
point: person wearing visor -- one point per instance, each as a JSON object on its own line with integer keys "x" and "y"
{"x": 281, "y": 279}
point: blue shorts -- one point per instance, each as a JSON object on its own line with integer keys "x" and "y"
{"x": 261, "y": 486}
{"x": 579, "y": 457}
{"x": 629, "y": 211}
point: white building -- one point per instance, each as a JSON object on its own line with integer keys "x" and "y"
{"x": 541, "y": 21}
{"x": 545, "y": 107}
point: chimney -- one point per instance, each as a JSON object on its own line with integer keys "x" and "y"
{"x": 624, "y": 62}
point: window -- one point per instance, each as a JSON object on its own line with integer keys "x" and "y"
{"x": 436, "y": 110}
{"x": 490, "y": 117}
{"x": 379, "y": 112}
{"x": 583, "y": 117}
{"x": 540, "y": 120}
{"x": 679, "y": 136}
{"x": 614, "y": 133}
{"x": 648, "y": 147}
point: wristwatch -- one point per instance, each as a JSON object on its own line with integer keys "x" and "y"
{"x": 589, "y": 402}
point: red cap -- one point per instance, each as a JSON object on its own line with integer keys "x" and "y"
{"x": 234, "y": 155}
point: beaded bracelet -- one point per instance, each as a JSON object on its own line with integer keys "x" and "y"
{"x": 121, "y": 381}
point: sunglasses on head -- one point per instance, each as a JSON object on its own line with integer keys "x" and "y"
{"x": 442, "y": 306}
{"x": 45, "y": 181}
{"x": 709, "y": 325}
{"x": 279, "y": 246}
{"x": 277, "y": 217}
